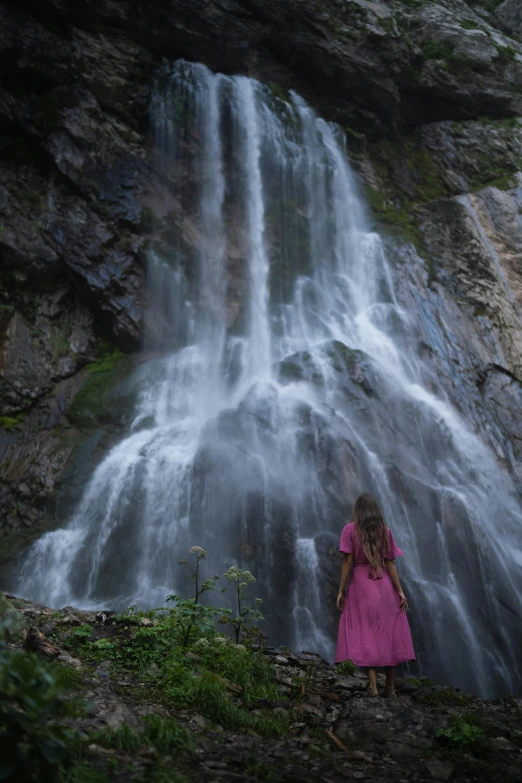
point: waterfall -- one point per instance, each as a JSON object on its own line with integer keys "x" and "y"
{"x": 288, "y": 381}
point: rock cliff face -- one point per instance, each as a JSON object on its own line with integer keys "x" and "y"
{"x": 430, "y": 95}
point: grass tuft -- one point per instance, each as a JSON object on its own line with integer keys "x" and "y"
{"x": 346, "y": 668}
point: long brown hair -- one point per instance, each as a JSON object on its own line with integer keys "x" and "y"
{"x": 370, "y": 530}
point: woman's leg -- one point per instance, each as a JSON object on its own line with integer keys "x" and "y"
{"x": 390, "y": 679}
{"x": 372, "y": 679}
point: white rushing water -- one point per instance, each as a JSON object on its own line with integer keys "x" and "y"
{"x": 289, "y": 383}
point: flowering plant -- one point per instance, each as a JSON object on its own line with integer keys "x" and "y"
{"x": 190, "y": 614}
{"x": 246, "y": 613}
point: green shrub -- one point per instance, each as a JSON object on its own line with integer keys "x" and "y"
{"x": 251, "y": 671}
{"x": 31, "y": 695}
{"x": 462, "y": 735}
{"x": 243, "y": 623}
{"x": 79, "y": 636}
{"x": 167, "y": 735}
{"x": 346, "y": 668}
{"x": 191, "y": 616}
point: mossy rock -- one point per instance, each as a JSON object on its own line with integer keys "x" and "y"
{"x": 411, "y": 167}
{"x": 442, "y": 696}
{"x": 9, "y": 423}
{"x": 419, "y": 682}
{"x": 103, "y": 399}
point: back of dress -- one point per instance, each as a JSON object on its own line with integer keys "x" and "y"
{"x": 349, "y": 543}
{"x": 373, "y": 631}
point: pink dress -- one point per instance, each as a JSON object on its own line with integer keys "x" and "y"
{"x": 373, "y": 631}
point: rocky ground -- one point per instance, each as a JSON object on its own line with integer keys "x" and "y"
{"x": 329, "y": 729}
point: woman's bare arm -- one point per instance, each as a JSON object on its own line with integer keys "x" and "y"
{"x": 392, "y": 570}
{"x": 345, "y": 573}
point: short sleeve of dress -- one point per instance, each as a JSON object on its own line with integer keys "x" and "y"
{"x": 393, "y": 549}
{"x": 345, "y": 544}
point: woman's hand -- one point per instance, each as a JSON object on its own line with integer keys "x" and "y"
{"x": 404, "y": 601}
{"x": 340, "y": 601}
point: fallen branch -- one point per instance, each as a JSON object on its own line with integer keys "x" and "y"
{"x": 338, "y": 742}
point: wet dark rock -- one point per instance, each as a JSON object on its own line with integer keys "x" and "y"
{"x": 395, "y": 727}
{"x": 310, "y": 656}
{"x": 440, "y": 770}
{"x": 69, "y": 619}
{"x": 509, "y": 14}
{"x": 47, "y": 629}
{"x": 404, "y": 686}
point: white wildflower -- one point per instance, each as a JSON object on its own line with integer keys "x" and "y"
{"x": 240, "y": 647}
{"x": 202, "y": 644}
{"x": 199, "y": 551}
{"x": 220, "y": 640}
{"x": 242, "y": 578}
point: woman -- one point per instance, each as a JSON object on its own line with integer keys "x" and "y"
{"x": 373, "y": 629}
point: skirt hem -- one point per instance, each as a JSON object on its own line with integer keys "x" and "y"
{"x": 375, "y": 665}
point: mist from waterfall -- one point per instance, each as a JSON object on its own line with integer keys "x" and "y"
{"x": 288, "y": 381}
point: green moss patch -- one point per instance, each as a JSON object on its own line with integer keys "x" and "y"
{"x": 506, "y": 54}
{"x": 419, "y": 682}
{"x": 95, "y": 403}
{"x": 400, "y": 224}
{"x": 60, "y": 345}
{"x": 278, "y": 92}
{"x": 447, "y": 697}
{"x": 409, "y": 163}
{"x": 493, "y": 157}
{"x": 10, "y": 422}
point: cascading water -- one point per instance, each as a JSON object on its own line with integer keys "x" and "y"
{"x": 288, "y": 383}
